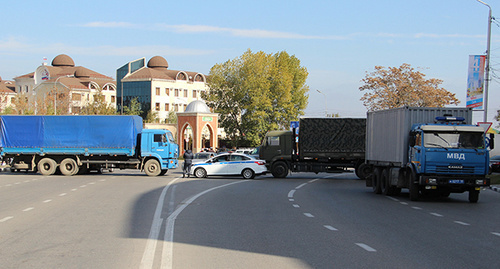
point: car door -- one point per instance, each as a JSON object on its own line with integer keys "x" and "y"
{"x": 218, "y": 165}
{"x": 236, "y": 164}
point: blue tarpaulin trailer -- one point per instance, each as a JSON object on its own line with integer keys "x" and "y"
{"x": 90, "y": 141}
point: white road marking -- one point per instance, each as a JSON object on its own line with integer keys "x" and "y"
{"x": 311, "y": 181}
{"x": 167, "y": 253}
{"x": 296, "y": 205}
{"x": 290, "y": 194}
{"x": 300, "y": 186}
{"x": 28, "y": 209}
{"x": 392, "y": 198}
{"x": 497, "y": 234}
{"x": 149, "y": 251}
{"x": 309, "y": 215}
{"x": 74, "y": 189}
{"x": 62, "y": 194}
{"x": 403, "y": 203}
{"x": 366, "y": 247}
{"x": 6, "y": 219}
{"x": 83, "y": 186}
{"x": 47, "y": 201}
{"x": 8, "y": 185}
{"x": 92, "y": 183}
{"x": 330, "y": 228}
{"x": 462, "y": 223}
{"x": 436, "y": 214}
{"x": 416, "y": 207}
{"x": 291, "y": 200}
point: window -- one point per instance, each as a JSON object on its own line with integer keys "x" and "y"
{"x": 113, "y": 98}
{"x": 194, "y": 93}
{"x": 157, "y": 90}
{"x": 76, "y": 97}
{"x": 185, "y": 107}
{"x": 176, "y": 92}
{"x": 167, "y": 91}
{"x": 273, "y": 140}
{"x": 185, "y": 93}
{"x": 167, "y": 107}
{"x": 176, "y": 107}
{"x": 157, "y": 106}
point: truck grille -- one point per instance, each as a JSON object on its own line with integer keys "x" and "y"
{"x": 442, "y": 169}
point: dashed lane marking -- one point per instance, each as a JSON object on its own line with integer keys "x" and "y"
{"x": 47, "y": 201}
{"x": 296, "y": 205}
{"x": 462, "y": 223}
{"x": 497, "y": 234}
{"x": 366, "y": 247}
{"x": 309, "y": 215}
{"x": 436, "y": 214}
{"x": 6, "y": 219}
{"x": 291, "y": 193}
{"x": 331, "y": 228}
{"x": 28, "y": 209}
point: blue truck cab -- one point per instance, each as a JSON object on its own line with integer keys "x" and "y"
{"x": 160, "y": 144}
{"x": 449, "y": 156}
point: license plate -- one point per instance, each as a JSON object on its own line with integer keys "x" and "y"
{"x": 456, "y": 181}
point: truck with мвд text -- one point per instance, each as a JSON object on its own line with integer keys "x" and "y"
{"x": 72, "y": 144}
{"x": 317, "y": 145}
{"x": 434, "y": 151}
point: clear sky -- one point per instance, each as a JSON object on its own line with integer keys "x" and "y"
{"x": 337, "y": 41}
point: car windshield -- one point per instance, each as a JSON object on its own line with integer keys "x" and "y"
{"x": 472, "y": 140}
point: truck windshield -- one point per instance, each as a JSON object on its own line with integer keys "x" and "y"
{"x": 471, "y": 140}
{"x": 170, "y": 137}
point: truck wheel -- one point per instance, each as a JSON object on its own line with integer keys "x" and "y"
{"x": 68, "y": 167}
{"x": 248, "y": 173}
{"x": 47, "y": 166}
{"x": 200, "y": 173}
{"x": 152, "y": 168}
{"x": 279, "y": 170}
{"x": 413, "y": 187}
{"x": 473, "y": 196}
{"x": 385, "y": 185}
{"x": 363, "y": 171}
{"x": 376, "y": 178}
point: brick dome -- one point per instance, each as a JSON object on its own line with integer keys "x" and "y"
{"x": 63, "y": 60}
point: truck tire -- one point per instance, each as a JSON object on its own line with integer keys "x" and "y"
{"x": 413, "y": 187}
{"x": 47, "y": 166}
{"x": 68, "y": 167}
{"x": 363, "y": 171}
{"x": 279, "y": 170}
{"x": 385, "y": 185}
{"x": 376, "y": 178}
{"x": 473, "y": 196}
{"x": 152, "y": 168}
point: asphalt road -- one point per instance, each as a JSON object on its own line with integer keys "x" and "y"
{"x": 125, "y": 219}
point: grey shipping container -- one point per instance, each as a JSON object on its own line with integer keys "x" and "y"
{"x": 387, "y": 131}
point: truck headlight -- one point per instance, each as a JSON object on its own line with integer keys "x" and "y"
{"x": 480, "y": 182}
{"x": 431, "y": 181}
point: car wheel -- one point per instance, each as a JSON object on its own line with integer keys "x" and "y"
{"x": 248, "y": 173}
{"x": 200, "y": 173}
{"x": 47, "y": 166}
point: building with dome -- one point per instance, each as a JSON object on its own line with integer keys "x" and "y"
{"x": 197, "y": 127}
{"x": 7, "y": 93}
{"x": 158, "y": 88}
{"x": 64, "y": 87}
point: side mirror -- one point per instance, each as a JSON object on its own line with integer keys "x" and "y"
{"x": 412, "y": 139}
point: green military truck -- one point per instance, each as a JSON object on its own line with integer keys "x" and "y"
{"x": 317, "y": 145}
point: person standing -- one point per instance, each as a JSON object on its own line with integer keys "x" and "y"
{"x": 188, "y": 161}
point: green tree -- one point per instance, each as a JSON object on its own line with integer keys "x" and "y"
{"x": 403, "y": 86}
{"x": 257, "y": 92}
{"x": 172, "y": 117}
{"x": 134, "y": 108}
{"x": 152, "y": 117}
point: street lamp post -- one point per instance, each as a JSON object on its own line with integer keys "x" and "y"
{"x": 55, "y": 91}
{"x": 487, "y": 79}
{"x": 326, "y": 113}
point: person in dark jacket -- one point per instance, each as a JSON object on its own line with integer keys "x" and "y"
{"x": 188, "y": 161}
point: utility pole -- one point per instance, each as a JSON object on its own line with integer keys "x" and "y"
{"x": 487, "y": 79}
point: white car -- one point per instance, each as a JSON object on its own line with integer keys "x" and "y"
{"x": 230, "y": 164}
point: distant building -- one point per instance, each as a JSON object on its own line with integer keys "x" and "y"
{"x": 157, "y": 88}
{"x": 7, "y": 93}
{"x": 65, "y": 86}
